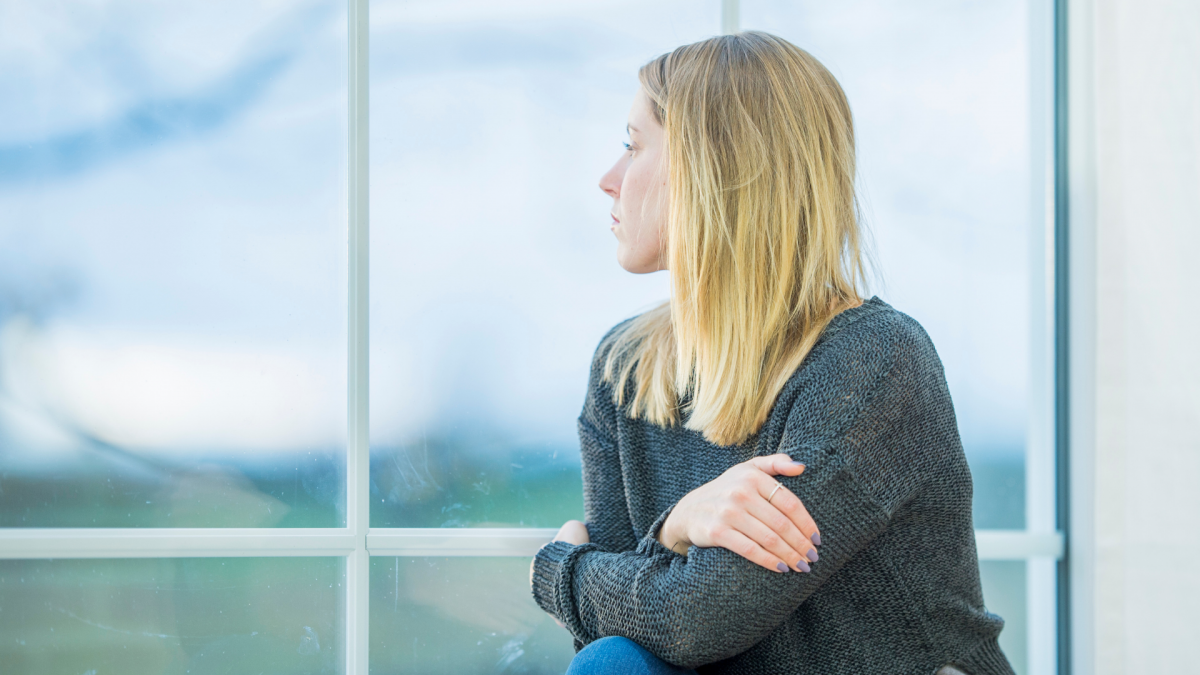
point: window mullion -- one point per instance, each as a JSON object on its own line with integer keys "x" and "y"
{"x": 358, "y": 447}
{"x": 154, "y": 542}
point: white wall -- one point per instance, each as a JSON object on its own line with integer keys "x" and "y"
{"x": 1135, "y": 209}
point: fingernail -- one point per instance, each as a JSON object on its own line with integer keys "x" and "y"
{"x": 812, "y": 555}
{"x": 795, "y": 463}
{"x": 782, "y": 568}
{"x": 816, "y": 538}
{"x": 803, "y": 566}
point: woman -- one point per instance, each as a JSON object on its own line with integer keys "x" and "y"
{"x": 764, "y": 385}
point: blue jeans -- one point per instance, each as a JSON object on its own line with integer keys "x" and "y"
{"x": 620, "y": 656}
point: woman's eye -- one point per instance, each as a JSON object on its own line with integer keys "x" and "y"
{"x": 627, "y": 146}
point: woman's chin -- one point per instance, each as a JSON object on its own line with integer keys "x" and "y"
{"x": 639, "y": 267}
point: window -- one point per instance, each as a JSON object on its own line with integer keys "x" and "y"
{"x": 189, "y": 351}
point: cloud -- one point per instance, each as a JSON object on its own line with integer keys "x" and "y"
{"x": 143, "y": 126}
{"x": 157, "y": 119}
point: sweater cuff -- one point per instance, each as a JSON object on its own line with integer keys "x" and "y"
{"x": 649, "y": 544}
{"x": 552, "y": 587}
{"x": 987, "y": 659}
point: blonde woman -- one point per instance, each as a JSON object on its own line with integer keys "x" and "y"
{"x": 773, "y": 477}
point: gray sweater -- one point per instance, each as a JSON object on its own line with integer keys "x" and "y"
{"x": 896, "y": 589}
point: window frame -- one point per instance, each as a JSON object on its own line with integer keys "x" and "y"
{"x": 1041, "y": 547}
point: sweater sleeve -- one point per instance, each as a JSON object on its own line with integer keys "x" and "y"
{"x": 605, "y": 510}
{"x": 714, "y": 604}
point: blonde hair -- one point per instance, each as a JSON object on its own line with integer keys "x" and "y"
{"x": 762, "y": 237}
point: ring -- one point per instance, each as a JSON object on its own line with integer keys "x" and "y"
{"x": 777, "y": 486}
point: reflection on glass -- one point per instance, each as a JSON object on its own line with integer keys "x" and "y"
{"x": 456, "y": 483}
{"x": 1004, "y": 594}
{"x": 172, "y": 275}
{"x": 461, "y": 615}
{"x": 187, "y": 616}
{"x": 493, "y": 269}
{"x": 944, "y": 102}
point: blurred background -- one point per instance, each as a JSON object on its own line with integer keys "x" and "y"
{"x": 172, "y": 288}
{"x": 173, "y": 292}
{"x": 172, "y": 264}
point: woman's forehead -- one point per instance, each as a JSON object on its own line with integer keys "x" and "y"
{"x": 640, "y": 116}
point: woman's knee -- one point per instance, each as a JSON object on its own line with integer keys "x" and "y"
{"x": 611, "y": 654}
{"x": 615, "y": 654}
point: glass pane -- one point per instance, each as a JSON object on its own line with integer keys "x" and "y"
{"x": 172, "y": 263}
{"x": 185, "y": 616}
{"x": 951, "y": 160}
{"x": 1004, "y": 594}
{"x": 461, "y": 615}
{"x": 493, "y": 270}
{"x": 475, "y": 615}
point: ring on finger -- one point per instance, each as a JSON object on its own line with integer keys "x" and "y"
{"x": 777, "y": 486}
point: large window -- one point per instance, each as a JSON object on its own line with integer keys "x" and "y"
{"x": 227, "y": 442}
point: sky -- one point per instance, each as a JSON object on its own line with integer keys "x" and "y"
{"x": 173, "y": 210}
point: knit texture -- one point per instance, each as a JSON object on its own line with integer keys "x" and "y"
{"x": 896, "y": 589}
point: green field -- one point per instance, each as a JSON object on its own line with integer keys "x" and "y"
{"x": 203, "y": 616}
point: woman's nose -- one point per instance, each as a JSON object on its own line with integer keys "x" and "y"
{"x": 610, "y": 182}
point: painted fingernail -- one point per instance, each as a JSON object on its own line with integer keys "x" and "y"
{"x": 795, "y": 463}
{"x": 816, "y": 538}
{"x": 781, "y": 567}
{"x": 803, "y": 566}
{"x": 812, "y": 555}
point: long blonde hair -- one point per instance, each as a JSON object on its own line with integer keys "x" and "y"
{"x": 762, "y": 238}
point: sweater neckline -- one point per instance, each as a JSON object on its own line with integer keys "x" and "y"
{"x": 849, "y": 316}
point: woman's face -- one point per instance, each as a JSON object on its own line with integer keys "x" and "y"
{"x": 638, "y": 185}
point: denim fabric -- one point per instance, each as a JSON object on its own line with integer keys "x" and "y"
{"x": 620, "y": 656}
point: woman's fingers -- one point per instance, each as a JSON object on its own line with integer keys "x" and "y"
{"x": 773, "y": 542}
{"x": 786, "y": 503}
{"x": 732, "y": 539}
{"x": 733, "y": 512}
{"x": 779, "y": 464}
{"x": 795, "y": 530}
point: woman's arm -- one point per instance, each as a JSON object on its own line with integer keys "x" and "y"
{"x": 605, "y": 510}
{"x": 749, "y": 512}
{"x": 604, "y": 507}
{"x": 714, "y": 604}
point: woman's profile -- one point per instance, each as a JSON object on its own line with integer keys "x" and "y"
{"x": 773, "y": 476}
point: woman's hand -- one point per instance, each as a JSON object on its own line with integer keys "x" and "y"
{"x": 732, "y": 512}
{"x": 574, "y": 532}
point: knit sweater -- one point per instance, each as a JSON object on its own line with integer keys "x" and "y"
{"x": 896, "y": 589}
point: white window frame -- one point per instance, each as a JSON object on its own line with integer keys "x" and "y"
{"x": 1040, "y": 544}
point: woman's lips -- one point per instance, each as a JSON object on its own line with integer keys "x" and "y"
{"x": 615, "y": 219}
